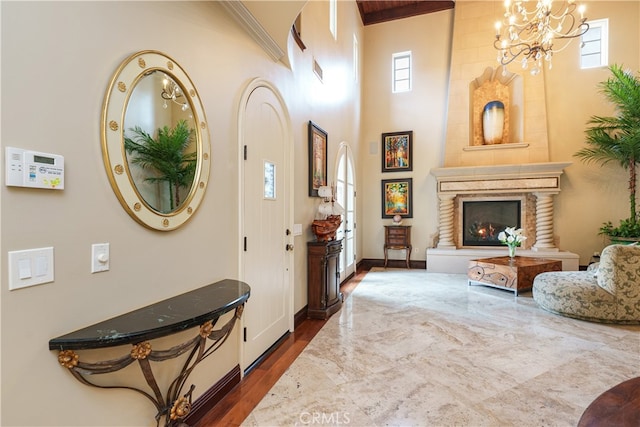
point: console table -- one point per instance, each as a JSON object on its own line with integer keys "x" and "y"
{"x": 203, "y": 307}
{"x": 397, "y": 237}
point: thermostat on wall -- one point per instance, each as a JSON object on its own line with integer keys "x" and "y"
{"x": 31, "y": 169}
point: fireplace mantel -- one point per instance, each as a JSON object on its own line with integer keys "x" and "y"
{"x": 540, "y": 180}
{"x": 502, "y": 178}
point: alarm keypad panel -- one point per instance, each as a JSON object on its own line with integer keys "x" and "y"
{"x": 32, "y": 169}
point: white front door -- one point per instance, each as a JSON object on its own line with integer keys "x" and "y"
{"x": 265, "y": 137}
{"x": 346, "y": 196}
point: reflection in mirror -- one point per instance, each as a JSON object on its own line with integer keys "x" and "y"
{"x": 155, "y": 141}
{"x": 159, "y": 142}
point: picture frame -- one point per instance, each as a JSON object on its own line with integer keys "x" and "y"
{"x": 397, "y": 197}
{"x": 397, "y": 151}
{"x": 317, "y": 158}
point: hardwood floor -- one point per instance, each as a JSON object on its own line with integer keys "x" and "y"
{"x": 239, "y": 403}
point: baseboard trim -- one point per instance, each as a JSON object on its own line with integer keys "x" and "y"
{"x": 368, "y": 263}
{"x": 300, "y": 316}
{"x": 203, "y": 404}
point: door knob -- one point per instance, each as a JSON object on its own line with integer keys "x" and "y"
{"x": 289, "y": 247}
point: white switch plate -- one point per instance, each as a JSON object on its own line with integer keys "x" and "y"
{"x": 297, "y": 229}
{"x": 30, "y": 267}
{"x": 99, "y": 257}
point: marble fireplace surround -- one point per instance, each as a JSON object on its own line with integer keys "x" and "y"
{"x": 534, "y": 184}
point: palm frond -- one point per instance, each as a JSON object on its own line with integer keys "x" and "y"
{"x": 617, "y": 139}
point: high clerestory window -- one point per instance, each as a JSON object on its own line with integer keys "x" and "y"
{"x": 333, "y": 18}
{"x": 401, "y": 75}
{"x": 595, "y": 45}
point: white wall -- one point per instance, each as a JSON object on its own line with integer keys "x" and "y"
{"x": 423, "y": 110}
{"x": 590, "y": 194}
{"x": 57, "y": 61}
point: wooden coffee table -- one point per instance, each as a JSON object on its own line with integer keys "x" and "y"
{"x": 515, "y": 274}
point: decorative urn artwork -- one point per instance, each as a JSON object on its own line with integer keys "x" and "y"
{"x": 493, "y": 122}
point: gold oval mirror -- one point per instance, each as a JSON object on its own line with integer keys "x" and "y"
{"x": 155, "y": 141}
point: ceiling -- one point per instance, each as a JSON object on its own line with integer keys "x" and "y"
{"x": 376, "y": 11}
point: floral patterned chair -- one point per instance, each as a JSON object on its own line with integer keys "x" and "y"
{"x": 608, "y": 292}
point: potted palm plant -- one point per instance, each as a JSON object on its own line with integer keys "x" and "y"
{"x": 617, "y": 139}
{"x": 165, "y": 155}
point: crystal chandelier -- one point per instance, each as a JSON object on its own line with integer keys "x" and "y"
{"x": 533, "y": 34}
{"x": 171, "y": 92}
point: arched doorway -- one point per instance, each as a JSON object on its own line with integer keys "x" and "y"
{"x": 345, "y": 180}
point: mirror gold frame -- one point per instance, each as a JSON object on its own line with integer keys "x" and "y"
{"x": 114, "y": 110}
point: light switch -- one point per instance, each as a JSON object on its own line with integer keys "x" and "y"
{"x": 24, "y": 268}
{"x": 42, "y": 266}
{"x": 99, "y": 257}
{"x": 30, "y": 267}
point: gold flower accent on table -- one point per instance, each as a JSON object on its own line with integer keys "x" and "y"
{"x": 141, "y": 351}
{"x": 113, "y": 125}
{"x": 122, "y": 87}
{"x": 68, "y": 358}
{"x": 142, "y": 63}
{"x": 206, "y": 328}
{"x": 180, "y": 409}
{"x": 119, "y": 169}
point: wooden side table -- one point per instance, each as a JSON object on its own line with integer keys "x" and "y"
{"x": 397, "y": 237}
{"x": 618, "y": 406}
{"x": 515, "y": 274}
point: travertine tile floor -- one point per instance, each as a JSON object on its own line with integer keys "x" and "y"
{"x": 412, "y": 348}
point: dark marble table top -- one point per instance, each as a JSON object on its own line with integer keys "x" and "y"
{"x": 163, "y": 318}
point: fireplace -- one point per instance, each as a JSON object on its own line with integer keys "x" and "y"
{"x": 519, "y": 196}
{"x": 483, "y": 220}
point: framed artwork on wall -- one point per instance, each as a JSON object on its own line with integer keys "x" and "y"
{"x": 317, "y": 158}
{"x": 397, "y": 151}
{"x": 397, "y": 198}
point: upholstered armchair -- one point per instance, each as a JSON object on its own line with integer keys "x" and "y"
{"x": 608, "y": 292}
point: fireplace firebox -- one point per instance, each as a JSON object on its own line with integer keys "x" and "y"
{"x": 483, "y": 220}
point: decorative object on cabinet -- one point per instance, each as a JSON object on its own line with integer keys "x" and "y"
{"x": 203, "y": 307}
{"x": 397, "y": 151}
{"x": 317, "y": 158}
{"x": 397, "y": 237}
{"x": 397, "y": 198}
{"x": 329, "y": 216}
{"x": 323, "y": 279}
{"x": 148, "y": 94}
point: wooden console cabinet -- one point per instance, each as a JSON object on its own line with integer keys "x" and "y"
{"x": 323, "y": 279}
